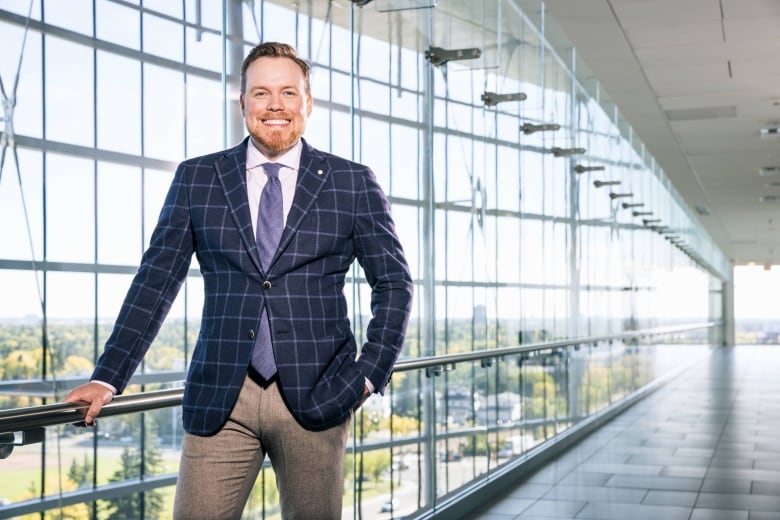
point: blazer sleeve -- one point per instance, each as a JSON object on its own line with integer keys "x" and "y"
{"x": 379, "y": 252}
{"x": 162, "y": 271}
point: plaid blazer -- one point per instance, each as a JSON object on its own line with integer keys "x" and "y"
{"x": 339, "y": 214}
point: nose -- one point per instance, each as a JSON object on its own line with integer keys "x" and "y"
{"x": 275, "y": 102}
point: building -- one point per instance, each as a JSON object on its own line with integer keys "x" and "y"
{"x": 573, "y": 183}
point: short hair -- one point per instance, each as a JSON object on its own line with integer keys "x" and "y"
{"x": 276, "y": 50}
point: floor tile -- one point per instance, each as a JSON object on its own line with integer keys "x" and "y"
{"x": 702, "y": 447}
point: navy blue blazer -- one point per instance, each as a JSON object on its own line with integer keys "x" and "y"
{"x": 339, "y": 214}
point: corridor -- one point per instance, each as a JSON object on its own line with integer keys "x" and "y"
{"x": 703, "y": 447}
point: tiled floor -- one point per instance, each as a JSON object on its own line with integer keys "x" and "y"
{"x": 704, "y": 447}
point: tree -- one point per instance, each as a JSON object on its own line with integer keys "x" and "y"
{"x": 81, "y": 474}
{"x": 142, "y": 505}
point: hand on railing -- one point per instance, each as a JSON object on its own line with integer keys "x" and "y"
{"x": 95, "y": 394}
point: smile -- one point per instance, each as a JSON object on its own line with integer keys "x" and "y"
{"x": 276, "y": 122}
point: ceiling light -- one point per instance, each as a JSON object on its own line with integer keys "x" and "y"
{"x": 771, "y": 132}
{"x": 770, "y": 198}
{"x": 766, "y": 171}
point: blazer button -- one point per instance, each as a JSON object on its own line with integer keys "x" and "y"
{"x": 251, "y": 334}
{"x": 266, "y": 284}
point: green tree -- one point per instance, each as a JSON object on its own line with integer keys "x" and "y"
{"x": 81, "y": 474}
{"x": 141, "y": 505}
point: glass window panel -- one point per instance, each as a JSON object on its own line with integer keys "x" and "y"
{"x": 340, "y": 39}
{"x": 119, "y": 214}
{"x": 118, "y": 103}
{"x": 117, "y": 23}
{"x": 75, "y": 15}
{"x": 406, "y": 165}
{"x": 277, "y": 23}
{"x": 162, "y": 37}
{"x": 460, "y": 246}
{"x": 342, "y": 143}
{"x": 405, "y": 104}
{"x": 204, "y": 116}
{"x": 341, "y": 88}
{"x": 111, "y": 291}
{"x": 70, "y": 303}
{"x": 163, "y": 113}
{"x": 374, "y": 59}
{"x": 28, "y": 113}
{"x": 70, "y": 209}
{"x": 15, "y": 242}
{"x": 508, "y": 255}
{"x": 25, "y": 306}
{"x": 173, "y": 9}
{"x": 70, "y": 103}
{"x": 320, "y": 84}
{"x": 407, "y": 227}
{"x": 375, "y": 149}
{"x": 205, "y": 52}
{"x": 210, "y": 13}
{"x": 156, "y": 184}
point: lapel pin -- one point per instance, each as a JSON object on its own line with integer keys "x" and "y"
{"x": 319, "y": 172}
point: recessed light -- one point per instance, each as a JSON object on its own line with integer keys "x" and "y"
{"x": 771, "y": 132}
{"x": 766, "y": 171}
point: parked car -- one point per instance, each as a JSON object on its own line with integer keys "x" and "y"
{"x": 389, "y": 506}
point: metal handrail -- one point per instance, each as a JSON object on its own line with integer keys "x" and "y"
{"x": 29, "y": 418}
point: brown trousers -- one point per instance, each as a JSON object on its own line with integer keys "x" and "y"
{"x": 217, "y": 472}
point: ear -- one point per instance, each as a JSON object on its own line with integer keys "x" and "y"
{"x": 309, "y": 103}
{"x": 241, "y": 103}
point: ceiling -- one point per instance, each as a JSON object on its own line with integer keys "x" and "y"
{"x": 697, "y": 80}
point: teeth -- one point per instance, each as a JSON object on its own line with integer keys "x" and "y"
{"x": 275, "y": 122}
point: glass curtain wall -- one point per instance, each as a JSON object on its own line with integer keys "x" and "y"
{"x": 528, "y": 209}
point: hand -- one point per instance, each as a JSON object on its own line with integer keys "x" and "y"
{"x": 363, "y": 397}
{"x": 93, "y": 393}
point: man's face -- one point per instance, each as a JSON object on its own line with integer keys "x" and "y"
{"x": 275, "y": 104}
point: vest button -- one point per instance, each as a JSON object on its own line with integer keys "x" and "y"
{"x": 266, "y": 284}
{"x": 251, "y": 334}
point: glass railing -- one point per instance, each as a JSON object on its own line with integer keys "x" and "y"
{"x": 448, "y": 426}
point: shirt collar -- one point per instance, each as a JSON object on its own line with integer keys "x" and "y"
{"x": 290, "y": 159}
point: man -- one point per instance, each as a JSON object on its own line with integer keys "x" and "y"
{"x": 244, "y": 398}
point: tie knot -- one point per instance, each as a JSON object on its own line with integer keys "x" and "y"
{"x": 272, "y": 169}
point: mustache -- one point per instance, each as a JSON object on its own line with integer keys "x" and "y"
{"x": 275, "y": 115}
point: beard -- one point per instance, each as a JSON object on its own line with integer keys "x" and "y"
{"x": 277, "y": 139}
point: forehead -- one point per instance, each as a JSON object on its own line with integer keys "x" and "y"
{"x": 274, "y": 72}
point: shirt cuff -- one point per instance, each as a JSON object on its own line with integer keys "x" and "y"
{"x": 107, "y": 385}
{"x": 370, "y": 386}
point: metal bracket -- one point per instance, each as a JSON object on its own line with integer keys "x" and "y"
{"x": 361, "y": 3}
{"x": 599, "y": 184}
{"x": 492, "y": 99}
{"x": 529, "y": 128}
{"x": 614, "y": 196}
{"x": 10, "y": 439}
{"x": 582, "y": 169}
{"x": 438, "y": 56}
{"x": 434, "y": 371}
{"x": 563, "y": 152}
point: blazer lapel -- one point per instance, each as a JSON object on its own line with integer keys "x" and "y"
{"x": 312, "y": 173}
{"x": 231, "y": 172}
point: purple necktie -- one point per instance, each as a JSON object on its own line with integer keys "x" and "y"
{"x": 270, "y": 223}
